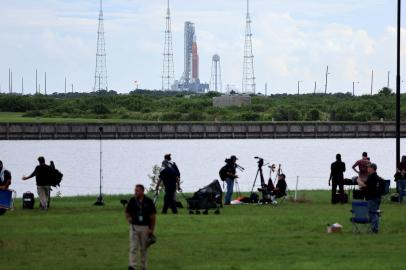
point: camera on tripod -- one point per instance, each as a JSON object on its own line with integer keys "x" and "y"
{"x": 260, "y": 162}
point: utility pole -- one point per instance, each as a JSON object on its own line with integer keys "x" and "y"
{"x": 45, "y": 83}
{"x": 11, "y": 90}
{"x": 388, "y": 78}
{"x": 9, "y": 80}
{"x": 325, "y": 86}
{"x": 65, "y": 85}
{"x": 353, "y": 88}
{"x": 22, "y": 85}
{"x": 36, "y": 81}
{"x": 72, "y": 88}
{"x": 372, "y": 82}
{"x": 266, "y": 89}
{"x": 315, "y": 87}
{"x": 298, "y": 87}
{"x": 397, "y": 160}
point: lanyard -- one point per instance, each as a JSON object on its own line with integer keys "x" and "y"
{"x": 140, "y": 210}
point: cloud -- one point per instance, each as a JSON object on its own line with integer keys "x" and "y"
{"x": 293, "y": 40}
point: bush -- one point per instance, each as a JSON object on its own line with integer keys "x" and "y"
{"x": 171, "y": 116}
{"x": 362, "y": 116}
{"x": 194, "y": 116}
{"x": 313, "y": 115}
{"x": 249, "y": 116}
{"x": 100, "y": 109}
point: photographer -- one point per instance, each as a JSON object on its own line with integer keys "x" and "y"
{"x": 170, "y": 179}
{"x": 141, "y": 215}
{"x": 230, "y": 170}
{"x": 167, "y": 162}
{"x": 337, "y": 175}
{"x": 43, "y": 174}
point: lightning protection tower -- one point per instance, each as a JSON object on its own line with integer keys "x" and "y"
{"x": 215, "y": 81}
{"x": 168, "y": 70}
{"x": 100, "y": 76}
{"x": 248, "y": 81}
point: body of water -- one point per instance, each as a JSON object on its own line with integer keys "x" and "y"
{"x": 127, "y": 162}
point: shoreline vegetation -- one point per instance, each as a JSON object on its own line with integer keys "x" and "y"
{"x": 158, "y": 106}
{"x": 289, "y": 236}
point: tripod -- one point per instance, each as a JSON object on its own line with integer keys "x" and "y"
{"x": 237, "y": 188}
{"x": 261, "y": 175}
{"x": 99, "y": 200}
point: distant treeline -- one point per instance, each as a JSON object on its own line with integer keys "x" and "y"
{"x": 181, "y": 106}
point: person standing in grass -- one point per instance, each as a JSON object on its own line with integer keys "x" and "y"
{"x": 169, "y": 177}
{"x": 400, "y": 178}
{"x": 43, "y": 174}
{"x": 141, "y": 215}
{"x": 231, "y": 175}
{"x": 362, "y": 171}
{"x": 167, "y": 162}
{"x": 373, "y": 193}
{"x": 337, "y": 175}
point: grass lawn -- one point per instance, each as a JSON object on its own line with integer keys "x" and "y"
{"x": 74, "y": 234}
{"x": 12, "y": 117}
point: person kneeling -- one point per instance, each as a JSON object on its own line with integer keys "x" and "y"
{"x": 280, "y": 189}
{"x": 5, "y": 182}
{"x": 5, "y": 177}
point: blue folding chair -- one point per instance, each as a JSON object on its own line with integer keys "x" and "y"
{"x": 360, "y": 216}
{"x": 7, "y": 199}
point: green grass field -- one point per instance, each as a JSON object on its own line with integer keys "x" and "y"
{"x": 12, "y": 117}
{"x": 74, "y": 234}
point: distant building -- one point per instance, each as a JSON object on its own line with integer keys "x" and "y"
{"x": 190, "y": 78}
{"x": 231, "y": 100}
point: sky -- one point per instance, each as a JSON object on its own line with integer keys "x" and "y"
{"x": 293, "y": 40}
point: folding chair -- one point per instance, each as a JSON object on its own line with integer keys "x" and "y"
{"x": 7, "y": 200}
{"x": 360, "y": 216}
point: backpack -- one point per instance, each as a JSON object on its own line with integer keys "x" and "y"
{"x": 175, "y": 167}
{"x": 28, "y": 200}
{"x": 56, "y": 178}
{"x": 223, "y": 173}
{"x": 381, "y": 187}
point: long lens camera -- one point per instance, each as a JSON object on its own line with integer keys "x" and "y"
{"x": 260, "y": 161}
